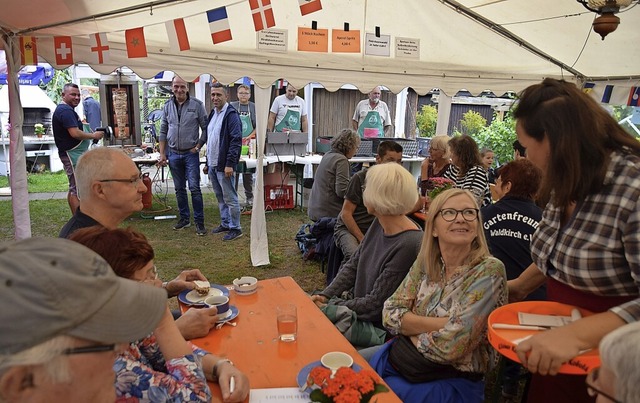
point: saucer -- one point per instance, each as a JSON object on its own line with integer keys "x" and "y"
{"x": 231, "y": 314}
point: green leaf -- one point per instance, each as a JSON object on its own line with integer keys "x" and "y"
{"x": 317, "y": 396}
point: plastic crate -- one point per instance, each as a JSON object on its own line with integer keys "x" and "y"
{"x": 278, "y": 197}
{"x": 409, "y": 146}
{"x": 365, "y": 149}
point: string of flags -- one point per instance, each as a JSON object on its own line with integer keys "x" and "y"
{"x": 218, "y": 19}
{"x": 610, "y": 94}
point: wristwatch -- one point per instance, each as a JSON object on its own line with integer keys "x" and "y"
{"x": 214, "y": 371}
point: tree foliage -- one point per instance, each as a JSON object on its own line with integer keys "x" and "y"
{"x": 499, "y": 137}
{"x": 472, "y": 123}
{"x": 426, "y": 121}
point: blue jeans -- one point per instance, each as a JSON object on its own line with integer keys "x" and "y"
{"x": 186, "y": 168}
{"x": 225, "y": 190}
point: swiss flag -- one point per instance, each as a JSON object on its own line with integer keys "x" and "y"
{"x": 64, "y": 50}
{"x": 262, "y": 14}
{"x": 136, "y": 46}
{"x": 309, "y": 6}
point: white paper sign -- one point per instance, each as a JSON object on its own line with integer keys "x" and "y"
{"x": 272, "y": 40}
{"x": 408, "y": 47}
{"x": 375, "y": 46}
{"x": 278, "y": 395}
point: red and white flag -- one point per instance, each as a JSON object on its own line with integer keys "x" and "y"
{"x": 262, "y": 14}
{"x": 63, "y": 47}
{"x": 309, "y": 6}
{"x": 136, "y": 45}
{"x": 28, "y": 51}
{"x": 100, "y": 47}
{"x": 177, "y": 32}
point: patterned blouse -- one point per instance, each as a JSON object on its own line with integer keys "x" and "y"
{"x": 143, "y": 375}
{"x": 467, "y": 299}
{"x": 476, "y": 180}
{"x": 598, "y": 250}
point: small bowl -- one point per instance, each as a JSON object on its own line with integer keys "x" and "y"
{"x": 335, "y": 360}
{"x": 245, "y": 285}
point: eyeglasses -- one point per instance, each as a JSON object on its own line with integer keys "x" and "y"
{"x": 450, "y": 214}
{"x": 243, "y": 93}
{"x": 592, "y": 390}
{"x": 133, "y": 180}
{"x": 153, "y": 274}
{"x": 99, "y": 348}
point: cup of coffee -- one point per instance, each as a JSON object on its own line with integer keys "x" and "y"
{"x": 335, "y": 360}
{"x": 287, "y": 316}
{"x": 221, "y": 303}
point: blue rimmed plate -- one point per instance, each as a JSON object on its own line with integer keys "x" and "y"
{"x": 191, "y": 297}
{"x": 306, "y": 370}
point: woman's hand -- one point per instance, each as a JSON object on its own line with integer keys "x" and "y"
{"x": 319, "y": 300}
{"x": 241, "y": 383}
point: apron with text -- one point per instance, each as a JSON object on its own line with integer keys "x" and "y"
{"x": 291, "y": 121}
{"x": 371, "y": 126}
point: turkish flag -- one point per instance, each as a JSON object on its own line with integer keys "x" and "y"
{"x": 136, "y": 46}
{"x": 262, "y": 14}
{"x": 63, "y": 47}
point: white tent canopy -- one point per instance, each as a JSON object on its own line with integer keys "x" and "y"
{"x": 474, "y": 44}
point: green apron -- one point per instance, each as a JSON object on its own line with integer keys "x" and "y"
{"x": 291, "y": 120}
{"x": 371, "y": 126}
{"x": 247, "y": 128}
{"x": 78, "y": 150}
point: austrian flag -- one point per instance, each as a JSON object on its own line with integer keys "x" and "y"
{"x": 219, "y": 25}
{"x": 63, "y": 47}
{"x": 262, "y": 14}
{"x": 177, "y": 32}
{"x": 309, "y": 6}
{"x": 100, "y": 46}
{"x": 136, "y": 46}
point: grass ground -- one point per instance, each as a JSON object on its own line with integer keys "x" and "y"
{"x": 42, "y": 182}
{"x": 220, "y": 261}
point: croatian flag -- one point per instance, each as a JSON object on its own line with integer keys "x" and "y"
{"x": 219, "y": 25}
{"x": 262, "y": 14}
{"x": 100, "y": 46}
{"x": 63, "y": 47}
{"x": 634, "y": 97}
{"x": 177, "y": 32}
{"x": 309, "y": 6}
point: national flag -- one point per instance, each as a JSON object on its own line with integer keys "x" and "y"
{"x": 588, "y": 87}
{"x": 606, "y": 95}
{"x": 309, "y": 6}
{"x": 246, "y": 80}
{"x": 28, "y": 50}
{"x": 63, "y": 48}
{"x": 262, "y": 14}
{"x": 634, "y": 97}
{"x": 136, "y": 45}
{"x": 177, "y": 32}
{"x": 98, "y": 43}
{"x": 219, "y": 25}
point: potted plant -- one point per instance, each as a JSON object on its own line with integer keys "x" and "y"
{"x": 38, "y": 128}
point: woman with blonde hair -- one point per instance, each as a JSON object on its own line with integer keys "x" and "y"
{"x": 436, "y": 164}
{"x": 440, "y": 310}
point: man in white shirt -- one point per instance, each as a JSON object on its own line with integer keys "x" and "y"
{"x": 288, "y": 112}
{"x": 371, "y": 117}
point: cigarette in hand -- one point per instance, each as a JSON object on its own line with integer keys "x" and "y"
{"x": 232, "y": 385}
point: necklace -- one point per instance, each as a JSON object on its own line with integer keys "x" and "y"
{"x": 443, "y": 271}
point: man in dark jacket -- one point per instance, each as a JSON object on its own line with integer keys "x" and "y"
{"x": 224, "y": 142}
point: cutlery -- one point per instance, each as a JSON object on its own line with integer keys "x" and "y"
{"x": 518, "y": 327}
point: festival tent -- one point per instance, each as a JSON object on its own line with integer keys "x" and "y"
{"x": 471, "y": 44}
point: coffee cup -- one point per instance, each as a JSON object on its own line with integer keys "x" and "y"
{"x": 335, "y": 360}
{"x": 220, "y": 302}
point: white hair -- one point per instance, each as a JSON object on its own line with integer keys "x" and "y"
{"x": 390, "y": 189}
{"x": 48, "y": 354}
{"x": 620, "y": 352}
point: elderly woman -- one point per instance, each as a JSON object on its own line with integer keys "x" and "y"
{"x": 467, "y": 170}
{"x": 616, "y": 380}
{"x": 587, "y": 246}
{"x": 332, "y": 176}
{"x": 437, "y": 164}
{"x": 387, "y": 250}
{"x": 162, "y": 366}
{"x": 440, "y": 310}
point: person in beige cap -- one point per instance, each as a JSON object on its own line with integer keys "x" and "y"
{"x": 65, "y": 316}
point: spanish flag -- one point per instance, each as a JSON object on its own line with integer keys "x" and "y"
{"x": 28, "y": 50}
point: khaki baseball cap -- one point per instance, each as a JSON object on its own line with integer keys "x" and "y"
{"x": 52, "y": 286}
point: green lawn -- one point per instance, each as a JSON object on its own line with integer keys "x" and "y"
{"x": 43, "y": 182}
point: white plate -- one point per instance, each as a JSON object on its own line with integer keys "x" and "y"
{"x": 191, "y": 297}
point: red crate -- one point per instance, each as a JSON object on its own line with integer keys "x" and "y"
{"x": 278, "y": 197}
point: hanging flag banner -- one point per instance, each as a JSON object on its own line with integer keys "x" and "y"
{"x": 587, "y": 88}
{"x": 634, "y": 97}
{"x": 377, "y": 45}
{"x": 28, "y": 50}
{"x": 177, "y": 32}
{"x": 100, "y": 47}
{"x": 262, "y": 14}
{"x": 63, "y": 47}
{"x": 606, "y": 95}
{"x": 272, "y": 40}
{"x": 136, "y": 45}
{"x": 313, "y": 40}
{"x": 408, "y": 47}
{"x": 345, "y": 41}
{"x": 219, "y": 25}
{"x": 309, "y": 6}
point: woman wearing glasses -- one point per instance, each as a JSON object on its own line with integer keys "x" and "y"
{"x": 440, "y": 310}
{"x": 587, "y": 247}
{"x": 163, "y": 366}
{"x": 437, "y": 164}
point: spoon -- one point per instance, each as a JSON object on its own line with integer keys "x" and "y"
{"x": 219, "y": 325}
